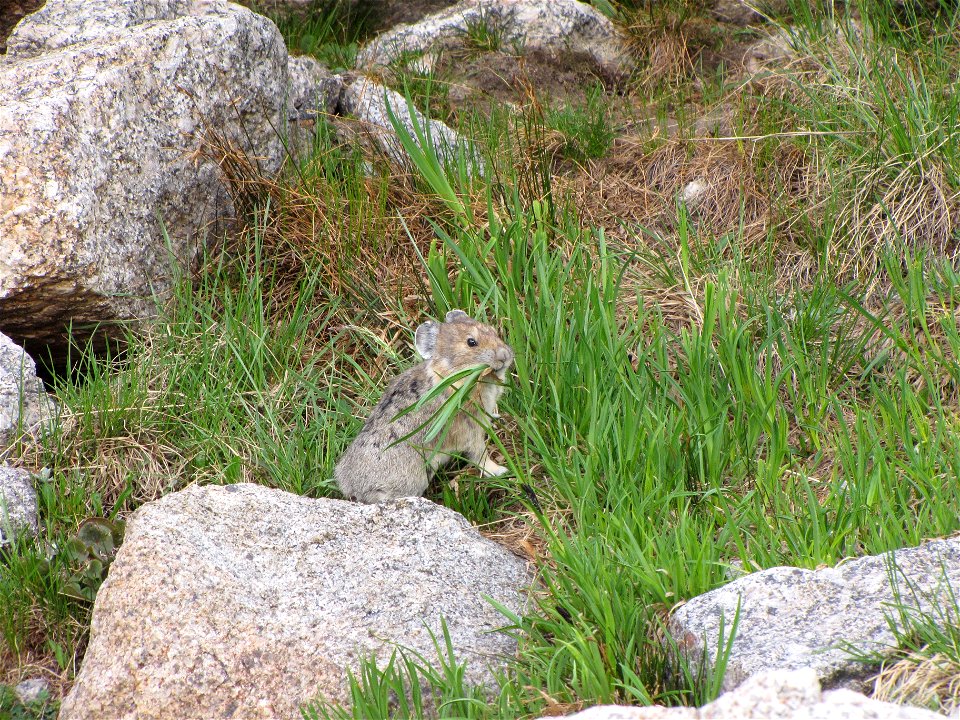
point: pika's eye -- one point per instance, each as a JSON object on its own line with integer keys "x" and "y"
{"x": 471, "y": 342}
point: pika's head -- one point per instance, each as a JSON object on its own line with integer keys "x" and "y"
{"x": 459, "y": 342}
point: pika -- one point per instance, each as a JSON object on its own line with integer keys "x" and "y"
{"x": 378, "y": 465}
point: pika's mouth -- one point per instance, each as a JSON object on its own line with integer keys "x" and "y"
{"x": 500, "y": 372}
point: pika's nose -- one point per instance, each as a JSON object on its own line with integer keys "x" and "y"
{"x": 503, "y": 357}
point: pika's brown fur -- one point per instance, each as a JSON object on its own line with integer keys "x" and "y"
{"x": 375, "y": 467}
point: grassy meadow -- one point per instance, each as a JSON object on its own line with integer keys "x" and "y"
{"x": 730, "y": 280}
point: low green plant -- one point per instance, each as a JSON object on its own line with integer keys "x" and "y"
{"x": 329, "y": 30}
{"x": 89, "y": 554}
{"x": 43, "y": 708}
{"x": 586, "y": 129}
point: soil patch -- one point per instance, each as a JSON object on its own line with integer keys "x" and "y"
{"x": 12, "y": 12}
{"x": 502, "y": 77}
{"x": 385, "y": 15}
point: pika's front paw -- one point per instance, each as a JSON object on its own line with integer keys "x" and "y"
{"x": 492, "y": 469}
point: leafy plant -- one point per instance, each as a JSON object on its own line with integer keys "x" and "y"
{"x": 329, "y": 30}
{"x": 89, "y": 555}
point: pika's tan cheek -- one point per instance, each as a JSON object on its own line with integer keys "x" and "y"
{"x": 441, "y": 368}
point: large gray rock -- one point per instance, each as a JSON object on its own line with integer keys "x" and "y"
{"x": 368, "y": 101}
{"x": 24, "y": 406}
{"x": 102, "y": 108}
{"x": 791, "y": 618}
{"x": 18, "y": 503}
{"x": 554, "y": 27}
{"x": 60, "y": 23}
{"x": 783, "y": 694}
{"x": 244, "y": 602}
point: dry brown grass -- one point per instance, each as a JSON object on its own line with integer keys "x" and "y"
{"x": 642, "y": 186}
{"x": 902, "y": 204}
{"x": 668, "y": 44}
{"x": 927, "y": 681}
{"x": 312, "y": 224}
{"x": 520, "y": 533}
{"x": 887, "y": 197}
{"x": 634, "y": 194}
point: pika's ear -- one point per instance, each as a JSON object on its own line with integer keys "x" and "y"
{"x": 426, "y": 339}
{"x": 457, "y": 316}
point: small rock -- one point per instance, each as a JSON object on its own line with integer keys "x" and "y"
{"x": 244, "y": 602}
{"x": 767, "y": 54}
{"x": 18, "y": 503}
{"x": 694, "y": 192}
{"x": 791, "y": 618}
{"x": 31, "y": 691}
{"x": 716, "y": 122}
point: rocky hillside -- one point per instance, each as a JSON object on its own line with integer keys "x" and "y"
{"x": 720, "y": 239}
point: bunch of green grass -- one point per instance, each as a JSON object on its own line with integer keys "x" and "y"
{"x": 329, "y": 30}
{"x": 221, "y": 382}
{"x": 484, "y": 32}
{"x": 659, "y": 473}
{"x": 586, "y": 129}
